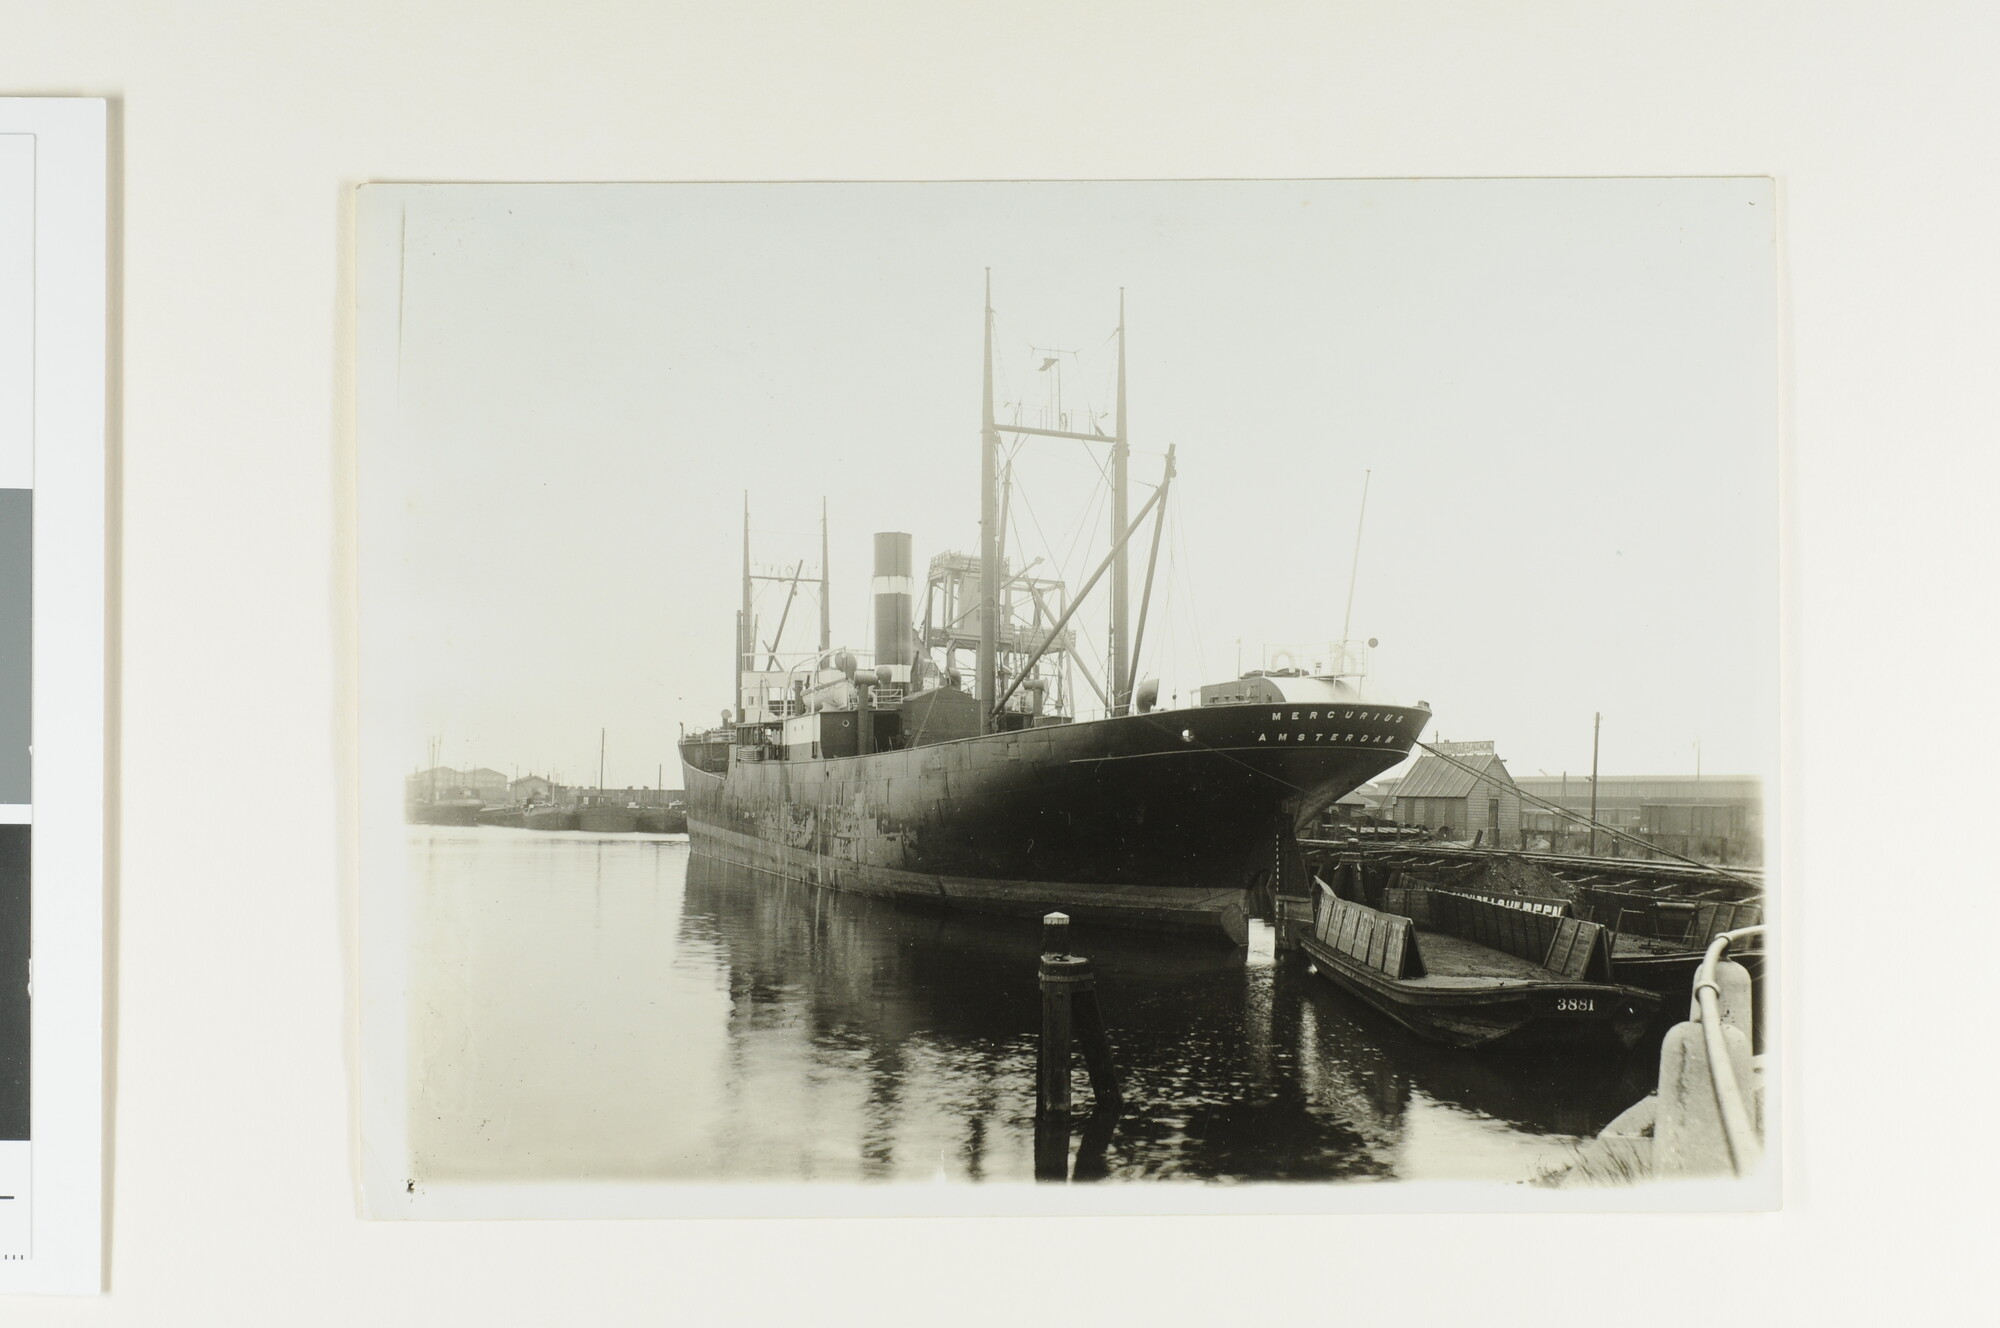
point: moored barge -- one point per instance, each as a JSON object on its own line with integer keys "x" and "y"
{"x": 1472, "y": 972}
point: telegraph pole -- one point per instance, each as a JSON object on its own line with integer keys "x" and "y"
{"x": 1595, "y": 720}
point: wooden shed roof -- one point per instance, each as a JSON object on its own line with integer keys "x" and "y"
{"x": 1435, "y": 777}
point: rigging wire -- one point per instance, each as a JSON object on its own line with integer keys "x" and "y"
{"x": 1086, "y": 645}
{"x": 1063, "y": 565}
{"x": 1178, "y": 530}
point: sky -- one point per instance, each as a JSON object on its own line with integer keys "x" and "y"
{"x": 1562, "y": 395}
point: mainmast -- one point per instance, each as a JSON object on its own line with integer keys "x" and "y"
{"x": 825, "y": 618}
{"x": 989, "y": 534}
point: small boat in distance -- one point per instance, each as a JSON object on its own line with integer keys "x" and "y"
{"x": 1475, "y": 972}
{"x": 607, "y": 816}
{"x": 549, "y": 817}
{"x": 444, "y": 811}
{"x": 671, "y": 819}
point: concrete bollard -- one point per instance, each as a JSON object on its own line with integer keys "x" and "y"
{"x": 1688, "y": 1137}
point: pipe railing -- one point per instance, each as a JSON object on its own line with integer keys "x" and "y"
{"x": 1744, "y": 1145}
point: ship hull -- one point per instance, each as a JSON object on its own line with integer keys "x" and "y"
{"x": 1167, "y": 820}
{"x": 608, "y": 820}
{"x": 550, "y": 818}
{"x": 443, "y": 813}
{"x": 663, "y": 820}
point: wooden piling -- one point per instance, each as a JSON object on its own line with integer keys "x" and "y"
{"x": 1096, "y": 1046}
{"x": 1051, "y": 1147}
{"x": 1069, "y": 1010}
{"x": 1059, "y": 976}
{"x": 1093, "y": 1148}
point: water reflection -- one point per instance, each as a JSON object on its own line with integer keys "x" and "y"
{"x": 613, "y": 1008}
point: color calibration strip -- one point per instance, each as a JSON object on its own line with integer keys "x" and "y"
{"x": 17, "y": 406}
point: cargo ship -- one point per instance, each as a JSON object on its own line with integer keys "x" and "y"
{"x": 899, "y": 776}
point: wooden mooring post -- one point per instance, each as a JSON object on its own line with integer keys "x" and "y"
{"x": 1070, "y": 1011}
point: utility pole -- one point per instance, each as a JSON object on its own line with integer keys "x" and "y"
{"x": 1595, "y": 721}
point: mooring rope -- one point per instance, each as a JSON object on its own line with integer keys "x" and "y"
{"x": 1546, "y": 805}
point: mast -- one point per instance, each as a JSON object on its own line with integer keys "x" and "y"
{"x": 746, "y": 630}
{"x": 825, "y": 620}
{"x": 1152, "y": 561}
{"x": 1354, "y": 567}
{"x": 1120, "y": 663}
{"x": 989, "y": 534}
{"x": 1054, "y": 633}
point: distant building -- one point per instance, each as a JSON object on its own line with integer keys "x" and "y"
{"x": 1711, "y": 817}
{"x": 1469, "y": 795}
{"x": 490, "y": 785}
{"x": 1371, "y": 798}
{"x": 445, "y": 784}
{"x": 530, "y": 788}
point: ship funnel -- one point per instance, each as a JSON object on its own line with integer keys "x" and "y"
{"x": 895, "y": 634}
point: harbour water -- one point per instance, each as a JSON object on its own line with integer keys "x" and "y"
{"x": 601, "y": 1008}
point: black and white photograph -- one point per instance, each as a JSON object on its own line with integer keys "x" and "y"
{"x": 1208, "y": 683}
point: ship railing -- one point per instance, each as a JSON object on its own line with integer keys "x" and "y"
{"x": 1745, "y": 1145}
{"x": 887, "y": 698}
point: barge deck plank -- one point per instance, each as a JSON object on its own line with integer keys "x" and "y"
{"x": 1454, "y": 957}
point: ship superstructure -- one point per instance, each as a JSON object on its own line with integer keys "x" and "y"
{"x": 952, "y": 763}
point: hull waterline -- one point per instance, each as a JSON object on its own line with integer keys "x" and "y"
{"x": 1165, "y": 821}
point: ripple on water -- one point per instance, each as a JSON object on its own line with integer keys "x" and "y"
{"x": 714, "y": 1024}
